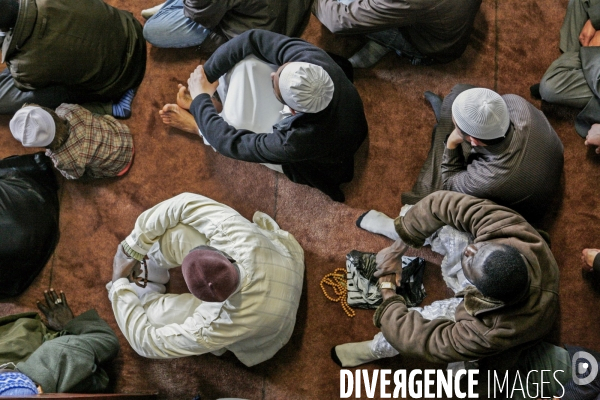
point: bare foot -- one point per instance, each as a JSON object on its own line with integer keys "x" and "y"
{"x": 587, "y": 256}
{"x": 184, "y": 99}
{"x": 177, "y": 117}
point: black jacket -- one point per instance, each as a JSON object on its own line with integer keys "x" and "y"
{"x": 313, "y": 149}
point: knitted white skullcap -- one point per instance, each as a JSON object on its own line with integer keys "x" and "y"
{"x": 33, "y": 127}
{"x": 305, "y": 87}
{"x": 481, "y": 113}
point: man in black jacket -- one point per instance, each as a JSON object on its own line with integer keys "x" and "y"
{"x": 315, "y": 145}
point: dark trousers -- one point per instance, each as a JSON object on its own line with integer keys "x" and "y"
{"x": 12, "y": 98}
{"x": 430, "y": 176}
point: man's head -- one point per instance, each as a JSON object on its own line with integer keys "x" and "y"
{"x": 481, "y": 114}
{"x": 36, "y": 126}
{"x": 8, "y": 16}
{"x": 497, "y": 271}
{"x": 209, "y": 275}
{"x": 16, "y": 384}
{"x": 303, "y": 87}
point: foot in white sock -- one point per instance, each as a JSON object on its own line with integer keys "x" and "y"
{"x": 353, "y": 354}
{"x": 377, "y": 222}
{"x": 147, "y": 13}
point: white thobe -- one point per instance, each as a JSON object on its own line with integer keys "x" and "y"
{"x": 254, "y": 323}
{"x": 249, "y": 102}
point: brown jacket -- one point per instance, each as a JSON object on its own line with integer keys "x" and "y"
{"x": 484, "y": 327}
{"x": 233, "y": 17}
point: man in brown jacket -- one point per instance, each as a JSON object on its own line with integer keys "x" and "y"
{"x": 514, "y": 298}
{"x": 210, "y": 23}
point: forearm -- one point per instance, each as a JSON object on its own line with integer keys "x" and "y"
{"x": 199, "y": 212}
{"x": 438, "y": 340}
{"x": 239, "y": 144}
{"x": 270, "y": 47}
{"x": 464, "y": 213}
{"x": 453, "y": 164}
{"x": 169, "y": 341}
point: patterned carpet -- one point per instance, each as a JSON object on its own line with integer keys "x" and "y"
{"x": 512, "y": 45}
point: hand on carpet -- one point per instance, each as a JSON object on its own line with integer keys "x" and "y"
{"x": 587, "y": 33}
{"x": 593, "y": 137}
{"x": 177, "y": 117}
{"x": 199, "y": 84}
{"x": 56, "y": 310}
{"x": 184, "y": 99}
{"x": 588, "y": 256}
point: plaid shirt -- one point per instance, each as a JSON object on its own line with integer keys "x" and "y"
{"x": 98, "y": 146}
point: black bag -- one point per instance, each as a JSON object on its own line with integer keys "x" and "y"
{"x": 28, "y": 220}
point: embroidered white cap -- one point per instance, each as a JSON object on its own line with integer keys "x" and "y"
{"x": 481, "y": 113}
{"x": 305, "y": 87}
{"x": 33, "y": 127}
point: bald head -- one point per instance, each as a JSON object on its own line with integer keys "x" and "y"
{"x": 8, "y": 16}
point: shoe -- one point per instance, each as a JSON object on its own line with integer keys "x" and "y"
{"x": 149, "y": 12}
{"x": 211, "y": 43}
{"x": 534, "y": 90}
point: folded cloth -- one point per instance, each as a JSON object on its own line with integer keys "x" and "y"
{"x": 362, "y": 286}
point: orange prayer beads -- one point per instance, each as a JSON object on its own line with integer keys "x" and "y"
{"x": 337, "y": 280}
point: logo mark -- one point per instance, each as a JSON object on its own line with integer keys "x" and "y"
{"x": 580, "y": 367}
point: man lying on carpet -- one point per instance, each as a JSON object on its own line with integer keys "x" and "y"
{"x": 511, "y": 302}
{"x": 489, "y": 146}
{"x": 68, "y": 51}
{"x": 425, "y": 31}
{"x": 62, "y": 356}
{"x": 245, "y": 281}
{"x": 79, "y": 142}
{"x": 324, "y": 122}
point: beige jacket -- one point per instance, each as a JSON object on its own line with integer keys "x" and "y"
{"x": 253, "y": 323}
{"x": 484, "y": 327}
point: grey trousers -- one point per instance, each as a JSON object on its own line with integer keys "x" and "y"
{"x": 12, "y": 98}
{"x": 564, "y": 82}
{"x": 430, "y": 176}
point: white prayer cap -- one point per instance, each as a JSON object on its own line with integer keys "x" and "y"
{"x": 33, "y": 127}
{"x": 481, "y": 113}
{"x": 305, "y": 87}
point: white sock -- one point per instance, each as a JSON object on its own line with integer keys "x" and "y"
{"x": 147, "y": 13}
{"x": 377, "y": 222}
{"x": 353, "y": 354}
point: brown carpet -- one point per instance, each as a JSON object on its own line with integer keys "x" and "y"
{"x": 512, "y": 45}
